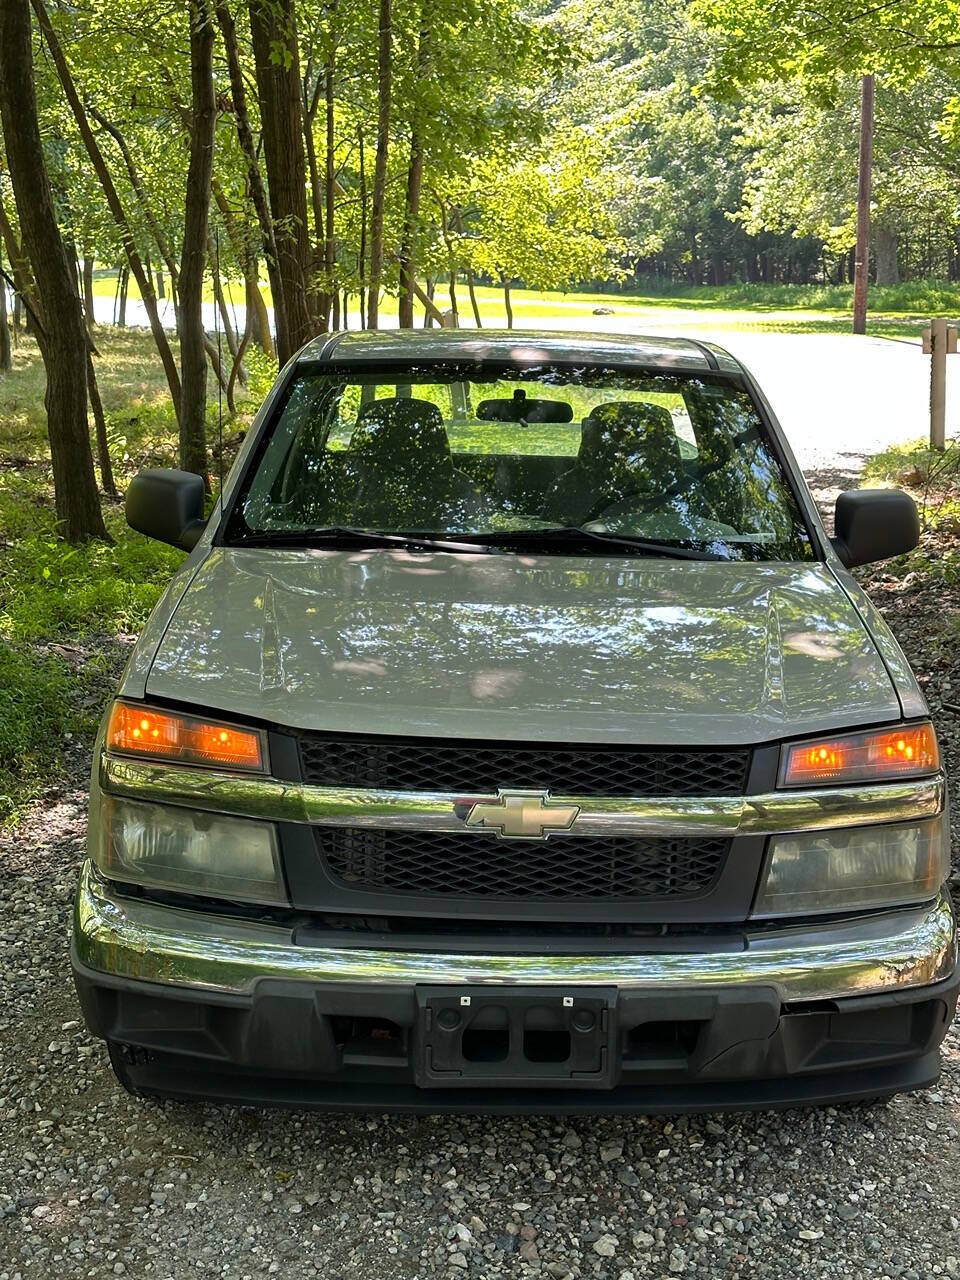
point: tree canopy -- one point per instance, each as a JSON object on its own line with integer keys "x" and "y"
{"x": 330, "y": 156}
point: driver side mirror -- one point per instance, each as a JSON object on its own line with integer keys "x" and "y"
{"x": 874, "y": 524}
{"x": 167, "y": 505}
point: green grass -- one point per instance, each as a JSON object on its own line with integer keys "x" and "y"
{"x": 39, "y": 708}
{"x": 63, "y": 609}
{"x": 898, "y": 311}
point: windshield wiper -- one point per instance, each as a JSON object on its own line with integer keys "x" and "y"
{"x": 348, "y": 536}
{"x": 574, "y": 536}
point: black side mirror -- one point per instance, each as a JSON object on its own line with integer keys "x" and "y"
{"x": 874, "y": 524}
{"x": 168, "y": 506}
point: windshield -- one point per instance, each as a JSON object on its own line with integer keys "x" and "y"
{"x": 466, "y": 454}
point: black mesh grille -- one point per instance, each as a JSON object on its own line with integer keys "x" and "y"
{"x": 481, "y": 866}
{"x": 479, "y": 768}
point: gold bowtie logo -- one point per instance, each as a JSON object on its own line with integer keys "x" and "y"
{"x": 522, "y": 815}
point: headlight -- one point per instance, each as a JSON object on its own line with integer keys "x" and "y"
{"x": 859, "y": 867}
{"x": 188, "y": 851}
{"x": 884, "y": 755}
{"x": 137, "y": 730}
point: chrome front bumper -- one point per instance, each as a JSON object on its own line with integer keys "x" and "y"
{"x": 144, "y": 941}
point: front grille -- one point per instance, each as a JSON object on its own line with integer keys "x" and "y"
{"x": 386, "y": 764}
{"x": 481, "y": 866}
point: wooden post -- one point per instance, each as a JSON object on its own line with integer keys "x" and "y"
{"x": 938, "y": 384}
{"x": 864, "y": 185}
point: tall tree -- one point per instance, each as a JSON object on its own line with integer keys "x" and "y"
{"x": 276, "y": 54}
{"x": 203, "y": 117}
{"x": 258, "y": 193}
{"x": 6, "y": 357}
{"x": 114, "y": 202}
{"x": 329, "y": 175}
{"x": 62, "y": 336}
{"x": 380, "y": 165}
{"x": 411, "y": 207}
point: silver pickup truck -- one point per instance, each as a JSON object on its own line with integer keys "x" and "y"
{"x": 514, "y": 737}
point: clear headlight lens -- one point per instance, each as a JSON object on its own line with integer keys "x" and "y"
{"x": 188, "y": 851}
{"x": 882, "y": 866}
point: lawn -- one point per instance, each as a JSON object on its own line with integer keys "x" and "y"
{"x": 895, "y": 311}
{"x": 67, "y": 613}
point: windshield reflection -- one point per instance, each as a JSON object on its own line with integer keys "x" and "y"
{"x": 448, "y": 452}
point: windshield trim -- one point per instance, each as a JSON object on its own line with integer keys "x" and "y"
{"x": 232, "y": 529}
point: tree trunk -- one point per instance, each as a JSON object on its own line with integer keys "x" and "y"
{"x": 362, "y": 263}
{"x": 124, "y": 286}
{"x": 62, "y": 336}
{"x": 220, "y": 298}
{"x": 428, "y": 314}
{"x": 380, "y": 167}
{"x": 472, "y": 290}
{"x": 861, "y": 267}
{"x": 329, "y": 173}
{"x": 273, "y": 29}
{"x": 6, "y": 355}
{"x": 261, "y": 320}
{"x": 240, "y": 243}
{"x": 408, "y": 241}
{"x": 316, "y": 193}
{"x": 100, "y": 427}
{"x": 411, "y": 205}
{"x": 193, "y": 416}
{"x": 88, "y": 293}
{"x": 19, "y": 267}
{"x": 113, "y": 202}
{"x": 258, "y": 193}
{"x": 237, "y": 368}
{"x": 507, "y": 305}
{"x": 140, "y": 192}
{"x": 885, "y": 248}
{"x": 161, "y": 290}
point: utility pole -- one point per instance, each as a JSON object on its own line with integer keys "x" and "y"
{"x": 862, "y": 261}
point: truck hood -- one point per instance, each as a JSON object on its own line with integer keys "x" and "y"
{"x": 574, "y": 649}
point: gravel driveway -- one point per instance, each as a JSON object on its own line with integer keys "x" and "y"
{"x": 93, "y": 1183}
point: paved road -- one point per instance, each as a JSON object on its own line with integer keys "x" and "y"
{"x": 838, "y": 397}
{"x": 841, "y": 397}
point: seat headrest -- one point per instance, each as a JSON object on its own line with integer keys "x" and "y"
{"x": 629, "y": 433}
{"x": 402, "y": 429}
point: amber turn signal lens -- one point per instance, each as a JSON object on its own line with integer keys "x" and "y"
{"x": 861, "y": 757}
{"x": 145, "y": 731}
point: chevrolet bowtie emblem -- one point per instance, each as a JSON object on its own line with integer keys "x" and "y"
{"x": 522, "y": 815}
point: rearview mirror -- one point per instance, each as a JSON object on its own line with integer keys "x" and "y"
{"x": 874, "y": 524}
{"x": 167, "y": 505}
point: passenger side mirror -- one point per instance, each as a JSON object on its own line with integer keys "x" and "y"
{"x": 168, "y": 506}
{"x": 874, "y": 524}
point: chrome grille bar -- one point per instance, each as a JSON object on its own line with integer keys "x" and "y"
{"x": 819, "y": 809}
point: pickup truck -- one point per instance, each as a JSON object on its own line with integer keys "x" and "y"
{"x": 514, "y": 737}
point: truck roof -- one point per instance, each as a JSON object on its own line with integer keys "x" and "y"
{"x": 526, "y": 346}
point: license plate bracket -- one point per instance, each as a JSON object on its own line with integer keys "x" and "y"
{"x": 502, "y": 1036}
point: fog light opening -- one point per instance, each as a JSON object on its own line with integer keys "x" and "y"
{"x": 540, "y": 1045}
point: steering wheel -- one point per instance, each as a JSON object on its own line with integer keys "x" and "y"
{"x": 650, "y": 504}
